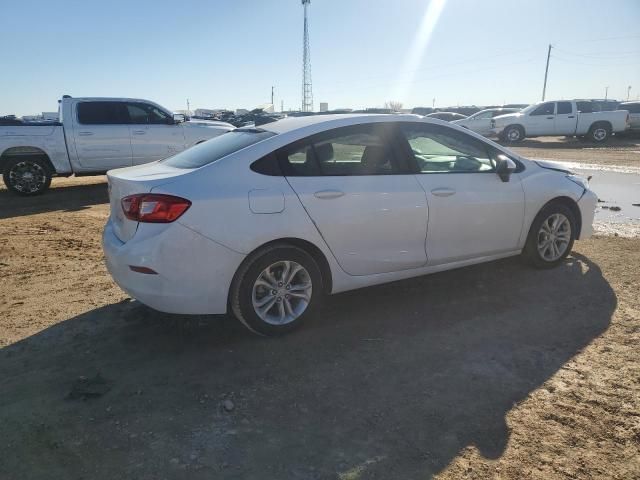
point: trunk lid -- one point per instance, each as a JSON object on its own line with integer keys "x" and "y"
{"x": 132, "y": 180}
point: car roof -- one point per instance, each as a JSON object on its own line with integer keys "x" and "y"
{"x": 325, "y": 122}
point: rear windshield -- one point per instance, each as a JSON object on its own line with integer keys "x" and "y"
{"x": 217, "y": 148}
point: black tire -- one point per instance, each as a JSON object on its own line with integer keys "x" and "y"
{"x": 38, "y": 170}
{"x": 531, "y": 252}
{"x": 242, "y": 287}
{"x": 513, "y": 134}
{"x": 599, "y": 132}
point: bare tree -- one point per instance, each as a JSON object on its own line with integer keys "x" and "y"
{"x": 393, "y": 105}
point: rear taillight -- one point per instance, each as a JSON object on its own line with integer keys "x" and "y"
{"x": 154, "y": 208}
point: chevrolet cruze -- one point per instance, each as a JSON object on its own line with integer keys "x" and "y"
{"x": 264, "y": 222}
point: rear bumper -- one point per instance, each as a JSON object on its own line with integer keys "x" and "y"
{"x": 193, "y": 273}
{"x": 587, "y": 205}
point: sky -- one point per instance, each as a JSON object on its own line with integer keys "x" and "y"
{"x": 229, "y": 53}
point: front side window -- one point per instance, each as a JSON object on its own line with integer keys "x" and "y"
{"x": 357, "y": 150}
{"x": 544, "y": 109}
{"x": 102, "y": 113}
{"x": 564, "y": 108}
{"x": 144, "y": 113}
{"x": 217, "y": 148}
{"x": 438, "y": 149}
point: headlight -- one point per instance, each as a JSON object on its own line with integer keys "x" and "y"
{"x": 578, "y": 180}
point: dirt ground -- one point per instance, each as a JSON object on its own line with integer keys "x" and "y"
{"x": 493, "y": 371}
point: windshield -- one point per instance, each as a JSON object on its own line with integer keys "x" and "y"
{"x": 217, "y": 148}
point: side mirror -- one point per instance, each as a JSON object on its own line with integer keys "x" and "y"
{"x": 177, "y": 118}
{"x": 505, "y": 167}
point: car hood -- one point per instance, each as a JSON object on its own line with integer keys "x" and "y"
{"x": 507, "y": 117}
{"x": 208, "y": 124}
{"x": 553, "y": 166}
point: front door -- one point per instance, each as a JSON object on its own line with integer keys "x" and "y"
{"x": 472, "y": 213}
{"x": 101, "y": 136}
{"x": 369, "y": 210}
{"x": 154, "y": 135}
{"x": 542, "y": 120}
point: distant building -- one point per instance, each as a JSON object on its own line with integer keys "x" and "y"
{"x": 50, "y": 116}
{"x": 324, "y": 106}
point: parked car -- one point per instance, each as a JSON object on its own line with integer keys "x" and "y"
{"x": 93, "y": 136}
{"x": 481, "y": 122}
{"x": 634, "y": 114}
{"x": 446, "y": 116}
{"x": 263, "y": 222}
{"x": 566, "y": 117}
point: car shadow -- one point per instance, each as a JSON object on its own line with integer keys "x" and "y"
{"x": 66, "y": 198}
{"x": 391, "y": 381}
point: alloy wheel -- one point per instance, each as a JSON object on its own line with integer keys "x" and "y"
{"x": 282, "y": 292}
{"x": 554, "y": 237}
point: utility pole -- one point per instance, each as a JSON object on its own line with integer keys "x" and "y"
{"x": 281, "y": 105}
{"x": 188, "y": 111}
{"x": 433, "y": 103}
{"x": 628, "y": 92}
{"x": 271, "y": 95}
{"x": 546, "y": 72}
{"x": 606, "y": 92}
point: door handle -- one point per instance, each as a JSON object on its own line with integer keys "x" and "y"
{"x": 138, "y": 132}
{"x": 85, "y": 134}
{"x": 571, "y": 116}
{"x": 443, "y": 192}
{"x": 550, "y": 118}
{"x": 328, "y": 194}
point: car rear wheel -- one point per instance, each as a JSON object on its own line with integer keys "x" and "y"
{"x": 551, "y": 236}
{"x": 27, "y": 176}
{"x": 276, "y": 289}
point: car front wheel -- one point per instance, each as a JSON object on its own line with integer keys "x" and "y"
{"x": 276, "y": 289}
{"x": 551, "y": 236}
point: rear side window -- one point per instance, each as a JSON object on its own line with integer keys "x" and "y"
{"x": 355, "y": 150}
{"x": 564, "y": 107}
{"x": 102, "y": 113}
{"x": 630, "y": 107}
{"x": 217, "y": 148}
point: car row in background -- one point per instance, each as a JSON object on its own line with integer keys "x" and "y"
{"x": 481, "y": 122}
{"x": 95, "y": 135}
{"x": 579, "y": 118}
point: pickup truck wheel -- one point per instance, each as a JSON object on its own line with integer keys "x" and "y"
{"x": 27, "y": 176}
{"x": 514, "y": 133}
{"x": 599, "y": 133}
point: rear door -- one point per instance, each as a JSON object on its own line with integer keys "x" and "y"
{"x": 101, "y": 136}
{"x": 566, "y": 119}
{"x": 542, "y": 120}
{"x": 154, "y": 135}
{"x": 366, "y": 205}
{"x": 472, "y": 213}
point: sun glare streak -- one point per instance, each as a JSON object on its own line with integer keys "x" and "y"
{"x": 413, "y": 59}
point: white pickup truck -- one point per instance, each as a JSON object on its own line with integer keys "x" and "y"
{"x": 95, "y": 135}
{"x": 563, "y": 117}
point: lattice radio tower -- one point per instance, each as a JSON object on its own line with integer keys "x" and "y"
{"x": 307, "y": 91}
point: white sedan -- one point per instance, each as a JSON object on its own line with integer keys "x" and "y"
{"x": 264, "y": 222}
